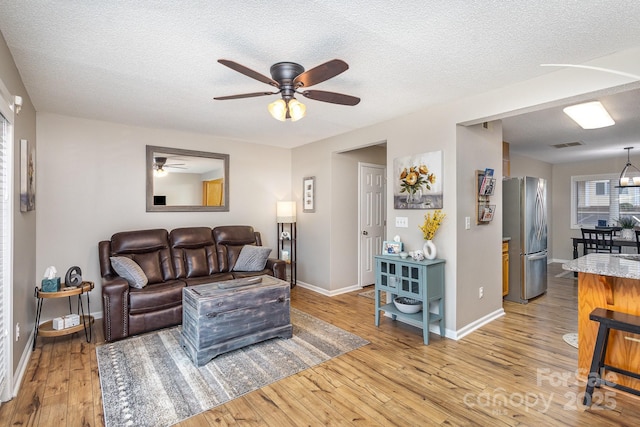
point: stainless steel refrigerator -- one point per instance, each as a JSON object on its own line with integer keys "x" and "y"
{"x": 524, "y": 220}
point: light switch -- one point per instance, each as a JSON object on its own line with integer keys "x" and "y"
{"x": 467, "y": 222}
{"x": 402, "y": 222}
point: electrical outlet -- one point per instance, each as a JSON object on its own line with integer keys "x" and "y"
{"x": 467, "y": 222}
{"x": 402, "y": 222}
{"x": 480, "y": 292}
{"x": 17, "y": 331}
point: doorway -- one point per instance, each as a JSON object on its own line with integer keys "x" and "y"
{"x": 371, "y": 218}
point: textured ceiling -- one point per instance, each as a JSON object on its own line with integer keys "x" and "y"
{"x": 153, "y": 63}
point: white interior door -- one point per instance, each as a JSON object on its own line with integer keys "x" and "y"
{"x": 372, "y": 219}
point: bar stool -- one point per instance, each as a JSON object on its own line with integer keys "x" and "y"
{"x": 608, "y": 320}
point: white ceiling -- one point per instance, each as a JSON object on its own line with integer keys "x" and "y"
{"x": 153, "y": 63}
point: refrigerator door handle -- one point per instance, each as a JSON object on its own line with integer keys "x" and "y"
{"x": 537, "y": 257}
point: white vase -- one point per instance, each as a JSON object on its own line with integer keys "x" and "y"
{"x": 429, "y": 250}
{"x": 628, "y": 233}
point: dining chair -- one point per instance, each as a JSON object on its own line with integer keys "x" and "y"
{"x": 638, "y": 240}
{"x": 598, "y": 240}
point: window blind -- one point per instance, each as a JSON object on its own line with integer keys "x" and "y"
{"x": 5, "y": 195}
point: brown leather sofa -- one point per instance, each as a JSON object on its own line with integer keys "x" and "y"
{"x": 170, "y": 260}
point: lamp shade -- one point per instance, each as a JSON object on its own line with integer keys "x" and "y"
{"x": 297, "y": 109}
{"x": 278, "y": 110}
{"x": 630, "y": 176}
{"x": 286, "y": 212}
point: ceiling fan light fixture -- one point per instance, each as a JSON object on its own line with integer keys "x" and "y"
{"x": 278, "y": 110}
{"x": 590, "y": 115}
{"x": 297, "y": 109}
{"x": 159, "y": 173}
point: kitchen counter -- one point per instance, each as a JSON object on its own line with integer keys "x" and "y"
{"x": 506, "y": 239}
{"x": 612, "y": 282}
{"x": 614, "y": 265}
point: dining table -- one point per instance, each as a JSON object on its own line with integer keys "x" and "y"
{"x": 617, "y": 241}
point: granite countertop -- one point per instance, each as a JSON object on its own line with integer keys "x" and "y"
{"x": 615, "y": 265}
{"x": 506, "y": 239}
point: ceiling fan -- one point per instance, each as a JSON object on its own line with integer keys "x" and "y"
{"x": 160, "y": 163}
{"x": 290, "y": 78}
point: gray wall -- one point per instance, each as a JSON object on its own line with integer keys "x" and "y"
{"x": 92, "y": 184}
{"x": 24, "y": 224}
{"x": 431, "y": 129}
{"x": 561, "y": 201}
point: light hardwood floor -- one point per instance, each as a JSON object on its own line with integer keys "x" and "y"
{"x": 515, "y": 371}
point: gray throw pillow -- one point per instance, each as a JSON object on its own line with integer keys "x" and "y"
{"x": 252, "y": 258}
{"x": 130, "y": 271}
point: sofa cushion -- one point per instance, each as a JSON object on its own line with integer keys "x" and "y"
{"x": 230, "y": 239}
{"x": 151, "y": 263}
{"x": 252, "y": 258}
{"x": 149, "y": 249}
{"x": 130, "y": 271}
{"x": 194, "y": 252}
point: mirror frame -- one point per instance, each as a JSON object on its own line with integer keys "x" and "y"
{"x": 181, "y": 152}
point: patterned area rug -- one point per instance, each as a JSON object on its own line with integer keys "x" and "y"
{"x": 571, "y": 339}
{"x": 148, "y": 380}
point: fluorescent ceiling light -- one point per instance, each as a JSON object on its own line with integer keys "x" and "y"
{"x": 590, "y": 115}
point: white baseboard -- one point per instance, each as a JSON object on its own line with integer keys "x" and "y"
{"x": 22, "y": 365}
{"x": 327, "y": 293}
{"x": 466, "y": 330}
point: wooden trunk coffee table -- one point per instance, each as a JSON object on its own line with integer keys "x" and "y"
{"x": 224, "y": 316}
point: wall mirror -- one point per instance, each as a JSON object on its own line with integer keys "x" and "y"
{"x": 186, "y": 181}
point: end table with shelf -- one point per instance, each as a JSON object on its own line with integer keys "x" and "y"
{"x": 288, "y": 244}
{"x": 45, "y": 329}
{"x": 420, "y": 280}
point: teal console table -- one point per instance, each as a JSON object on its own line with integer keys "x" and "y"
{"x": 421, "y": 280}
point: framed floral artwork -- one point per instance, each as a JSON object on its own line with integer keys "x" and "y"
{"x": 309, "y": 194}
{"x": 418, "y": 181}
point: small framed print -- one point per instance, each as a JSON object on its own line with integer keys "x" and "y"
{"x": 391, "y": 248}
{"x": 309, "y": 194}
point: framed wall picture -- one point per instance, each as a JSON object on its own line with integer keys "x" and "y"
{"x": 309, "y": 194}
{"x": 27, "y": 177}
{"x": 418, "y": 181}
{"x": 391, "y": 248}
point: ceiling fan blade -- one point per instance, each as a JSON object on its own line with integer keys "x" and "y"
{"x": 244, "y": 95}
{"x": 321, "y": 73}
{"x": 249, "y": 72}
{"x": 332, "y": 97}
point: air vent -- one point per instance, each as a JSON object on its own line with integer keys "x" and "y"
{"x": 568, "y": 144}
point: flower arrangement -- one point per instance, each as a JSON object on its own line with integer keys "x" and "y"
{"x": 626, "y": 222}
{"x": 431, "y": 224}
{"x": 415, "y": 178}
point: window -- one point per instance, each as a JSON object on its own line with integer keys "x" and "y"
{"x": 602, "y": 188}
{"x": 595, "y": 200}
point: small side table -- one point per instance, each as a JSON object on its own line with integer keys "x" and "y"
{"x": 86, "y": 321}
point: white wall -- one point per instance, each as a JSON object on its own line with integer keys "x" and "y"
{"x": 180, "y": 188}
{"x": 91, "y": 184}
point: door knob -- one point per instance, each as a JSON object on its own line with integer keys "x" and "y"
{"x": 365, "y": 233}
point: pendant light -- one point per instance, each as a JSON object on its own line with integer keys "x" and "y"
{"x": 630, "y": 176}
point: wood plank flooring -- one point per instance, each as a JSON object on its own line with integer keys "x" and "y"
{"x": 515, "y": 371}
